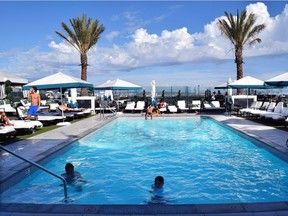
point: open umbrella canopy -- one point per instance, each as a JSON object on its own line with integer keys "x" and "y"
{"x": 248, "y": 82}
{"x": 117, "y": 84}
{"x": 58, "y": 80}
{"x": 15, "y": 80}
{"x": 221, "y": 86}
{"x": 278, "y": 81}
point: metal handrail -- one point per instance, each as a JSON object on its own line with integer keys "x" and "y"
{"x": 66, "y": 199}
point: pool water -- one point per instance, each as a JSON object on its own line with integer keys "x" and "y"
{"x": 201, "y": 160}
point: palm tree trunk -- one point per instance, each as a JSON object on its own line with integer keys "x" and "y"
{"x": 239, "y": 66}
{"x": 84, "y": 63}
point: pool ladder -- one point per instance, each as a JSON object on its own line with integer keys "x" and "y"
{"x": 102, "y": 111}
{"x": 66, "y": 199}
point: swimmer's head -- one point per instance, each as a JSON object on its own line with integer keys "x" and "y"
{"x": 159, "y": 182}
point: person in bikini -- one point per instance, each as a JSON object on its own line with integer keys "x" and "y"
{"x": 35, "y": 103}
{"x": 149, "y": 112}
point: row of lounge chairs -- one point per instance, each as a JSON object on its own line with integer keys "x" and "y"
{"x": 180, "y": 107}
{"x": 268, "y": 110}
{"x": 50, "y": 116}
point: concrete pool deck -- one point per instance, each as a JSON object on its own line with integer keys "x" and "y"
{"x": 43, "y": 145}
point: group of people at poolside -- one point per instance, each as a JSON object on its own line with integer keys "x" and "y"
{"x": 154, "y": 110}
{"x": 75, "y": 179}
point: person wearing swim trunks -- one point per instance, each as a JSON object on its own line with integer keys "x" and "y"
{"x": 149, "y": 111}
{"x": 35, "y": 103}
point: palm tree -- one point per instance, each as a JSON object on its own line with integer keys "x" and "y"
{"x": 240, "y": 31}
{"x": 84, "y": 35}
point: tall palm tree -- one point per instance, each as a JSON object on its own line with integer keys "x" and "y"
{"x": 84, "y": 35}
{"x": 240, "y": 31}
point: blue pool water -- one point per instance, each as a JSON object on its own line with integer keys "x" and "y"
{"x": 201, "y": 161}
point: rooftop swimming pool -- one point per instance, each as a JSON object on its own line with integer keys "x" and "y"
{"x": 201, "y": 160}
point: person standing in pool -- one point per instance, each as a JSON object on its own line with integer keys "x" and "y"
{"x": 157, "y": 189}
{"x": 35, "y": 103}
{"x": 70, "y": 175}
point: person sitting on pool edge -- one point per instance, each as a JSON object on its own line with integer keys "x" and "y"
{"x": 70, "y": 175}
{"x": 149, "y": 111}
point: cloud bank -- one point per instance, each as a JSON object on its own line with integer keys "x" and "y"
{"x": 146, "y": 49}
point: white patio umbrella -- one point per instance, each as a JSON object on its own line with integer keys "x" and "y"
{"x": 2, "y": 91}
{"x": 117, "y": 84}
{"x": 278, "y": 81}
{"x": 247, "y": 82}
{"x": 153, "y": 92}
{"x": 59, "y": 81}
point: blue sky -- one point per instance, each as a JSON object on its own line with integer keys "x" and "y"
{"x": 176, "y": 43}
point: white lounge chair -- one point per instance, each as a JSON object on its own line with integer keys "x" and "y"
{"x": 130, "y": 106}
{"x": 269, "y": 108}
{"x": 213, "y": 105}
{"x": 7, "y": 108}
{"x": 196, "y": 105}
{"x": 27, "y": 126}
{"x": 277, "y": 110}
{"x": 182, "y": 105}
{"x": 41, "y": 118}
{"x": 254, "y": 106}
{"x": 7, "y": 131}
{"x": 164, "y": 108}
{"x": 281, "y": 116}
{"x": 172, "y": 108}
{"x": 140, "y": 106}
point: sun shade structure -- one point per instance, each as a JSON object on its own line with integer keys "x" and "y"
{"x": 248, "y": 82}
{"x": 15, "y": 80}
{"x": 278, "y": 81}
{"x": 117, "y": 84}
{"x": 58, "y": 80}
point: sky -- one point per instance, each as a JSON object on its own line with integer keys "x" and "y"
{"x": 175, "y": 43}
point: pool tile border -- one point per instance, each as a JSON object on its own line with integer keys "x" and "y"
{"x": 275, "y": 208}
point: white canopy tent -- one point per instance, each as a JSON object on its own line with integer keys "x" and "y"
{"x": 59, "y": 81}
{"x": 15, "y": 80}
{"x": 278, "y": 81}
{"x": 248, "y": 82}
{"x": 117, "y": 84}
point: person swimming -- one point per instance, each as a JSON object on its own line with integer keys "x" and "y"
{"x": 157, "y": 190}
{"x": 72, "y": 177}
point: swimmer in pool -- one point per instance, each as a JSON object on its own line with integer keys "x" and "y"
{"x": 157, "y": 189}
{"x": 72, "y": 177}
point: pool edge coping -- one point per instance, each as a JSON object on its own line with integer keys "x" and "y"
{"x": 147, "y": 209}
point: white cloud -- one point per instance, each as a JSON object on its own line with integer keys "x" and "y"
{"x": 147, "y": 49}
{"x": 110, "y": 36}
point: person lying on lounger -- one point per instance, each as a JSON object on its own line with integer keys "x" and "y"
{"x": 4, "y": 121}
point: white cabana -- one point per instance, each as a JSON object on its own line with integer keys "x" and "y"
{"x": 278, "y": 81}
{"x": 117, "y": 84}
{"x": 58, "y": 81}
{"x": 248, "y": 82}
{"x": 15, "y": 80}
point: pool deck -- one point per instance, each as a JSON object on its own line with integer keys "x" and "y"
{"x": 43, "y": 145}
